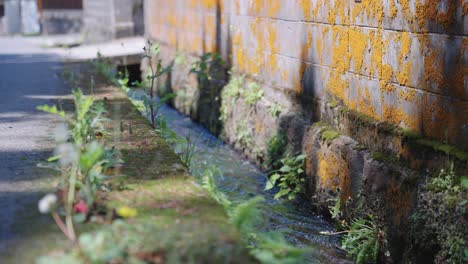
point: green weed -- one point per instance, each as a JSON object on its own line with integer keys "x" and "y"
{"x": 253, "y": 93}
{"x": 362, "y": 240}
{"x": 155, "y": 71}
{"x": 276, "y": 148}
{"x": 289, "y": 178}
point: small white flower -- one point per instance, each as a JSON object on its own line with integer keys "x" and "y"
{"x": 68, "y": 154}
{"x": 47, "y": 203}
{"x": 61, "y": 133}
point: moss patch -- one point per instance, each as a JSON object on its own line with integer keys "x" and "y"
{"x": 327, "y": 133}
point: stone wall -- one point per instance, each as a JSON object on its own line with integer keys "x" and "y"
{"x": 404, "y": 62}
{"x": 390, "y": 76}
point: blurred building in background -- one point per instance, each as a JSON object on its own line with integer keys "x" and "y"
{"x": 60, "y": 17}
{"x": 111, "y": 19}
{"x": 98, "y": 20}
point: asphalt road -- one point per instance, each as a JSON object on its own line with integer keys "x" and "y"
{"x": 28, "y": 78}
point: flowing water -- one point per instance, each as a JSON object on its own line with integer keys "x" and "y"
{"x": 242, "y": 180}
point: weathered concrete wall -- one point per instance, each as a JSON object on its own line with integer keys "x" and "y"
{"x": 404, "y": 62}
{"x": 111, "y": 19}
{"x": 372, "y": 71}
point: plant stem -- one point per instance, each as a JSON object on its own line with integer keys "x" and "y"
{"x": 153, "y": 77}
{"x": 71, "y": 198}
{"x": 61, "y": 225}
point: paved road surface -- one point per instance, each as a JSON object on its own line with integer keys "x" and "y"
{"x": 27, "y": 79}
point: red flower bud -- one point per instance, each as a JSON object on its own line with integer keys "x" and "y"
{"x": 81, "y": 207}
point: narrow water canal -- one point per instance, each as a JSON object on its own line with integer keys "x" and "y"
{"x": 242, "y": 180}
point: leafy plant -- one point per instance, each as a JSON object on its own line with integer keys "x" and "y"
{"x": 208, "y": 182}
{"x": 276, "y": 148}
{"x": 155, "y": 71}
{"x": 289, "y": 178}
{"x": 243, "y": 136}
{"x": 203, "y": 68}
{"x": 276, "y": 109}
{"x": 231, "y": 92}
{"x": 362, "y": 240}
{"x": 246, "y": 216}
{"x": 186, "y": 148}
{"x": 253, "y": 93}
{"x": 81, "y": 159}
{"x": 439, "y": 217}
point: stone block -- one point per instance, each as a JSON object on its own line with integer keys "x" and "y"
{"x": 319, "y": 44}
{"x": 403, "y": 58}
{"x": 292, "y": 39}
{"x": 368, "y": 94}
{"x": 365, "y": 51}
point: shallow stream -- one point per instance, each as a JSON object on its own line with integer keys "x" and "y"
{"x": 243, "y": 180}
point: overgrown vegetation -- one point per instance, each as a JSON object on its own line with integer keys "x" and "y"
{"x": 289, "y": 178}
{"x": 439, "y": 223}
{"x": 81, "y": 160}
{"x": 362, "y": 238}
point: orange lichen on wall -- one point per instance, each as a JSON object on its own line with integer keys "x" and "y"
{"x": 273, "y": 7}
{"x": 358, "y": 43}
{"x": 338, "y": 10}
{"x": 193, "y": 3}
{"x": 341, "y": 56}
{"x": 273, "y": 49}
{"x": 306, "y": 8}
{"x": 208, "y": 3}
{"x": 393, "y": 9}
{"x": 378, "y": 52}
{"x": 369, "y": 8}
{"x": 365, "y": 104}
{"x": 333, "y": 172}
{"x": 404, "y": 73}
{"x": 433, "y": 70}
{"x": 171, "y": 20}
{"x": 240, "y": 58}
{"x": 255, "y": 6}
{"x": 431, "y": 10}
{"x": 338, "y": 83}
{"x": 395, "y": 115}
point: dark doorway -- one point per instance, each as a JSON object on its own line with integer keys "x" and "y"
{"x": 134, "y": 72}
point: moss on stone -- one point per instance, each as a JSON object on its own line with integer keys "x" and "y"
{"x": 327, "y": 133}
{"x": 385, "y": 157}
